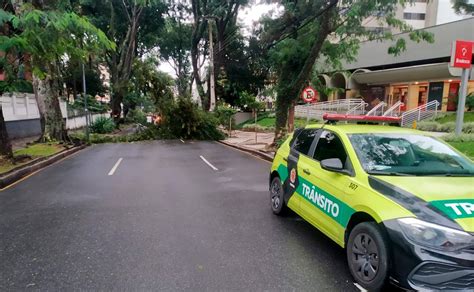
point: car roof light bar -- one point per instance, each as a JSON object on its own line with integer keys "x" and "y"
{"x": 332, "y": 118}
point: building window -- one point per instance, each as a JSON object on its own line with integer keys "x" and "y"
{"x": 413, "y": 16}
{"x": 378, "y": 30}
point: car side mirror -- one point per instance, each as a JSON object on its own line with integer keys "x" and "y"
{"x": 334, "y": 165}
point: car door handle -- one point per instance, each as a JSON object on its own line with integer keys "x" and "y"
{"x": 307, "y": 171}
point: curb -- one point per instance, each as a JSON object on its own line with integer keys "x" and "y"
{"x": 16, "y": 175}
{"x": 254, "y": 152}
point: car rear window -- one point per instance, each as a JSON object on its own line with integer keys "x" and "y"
{"x": 304, "y": 140}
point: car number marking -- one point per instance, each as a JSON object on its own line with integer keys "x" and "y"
{"x": 353, "y": 186}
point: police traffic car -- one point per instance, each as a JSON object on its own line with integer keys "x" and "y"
{"x": 399, "y": 201}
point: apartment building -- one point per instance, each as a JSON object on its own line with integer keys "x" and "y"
{"x": 421, "y": 14}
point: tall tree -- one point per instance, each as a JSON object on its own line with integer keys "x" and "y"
{"x": 175, "y": 45}
{"x": 134, "y": 26}
{"x": 222, "y": 15}
{"x": 49, "y": 34}
{"x": 463, "y": 6}
{"x": 199, "y": 10}
{"x": 308, "y": 30}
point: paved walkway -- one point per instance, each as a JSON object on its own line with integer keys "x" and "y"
{"x": 248, "y": 140}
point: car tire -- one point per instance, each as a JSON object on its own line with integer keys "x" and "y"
{"x": 277, "y": 201}
{"x": 368, "y": 256}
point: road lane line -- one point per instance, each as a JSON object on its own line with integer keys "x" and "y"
{"x": 112, "y": 171}
{"x": 208, "y": 163}
{"x": 360, "y": 287}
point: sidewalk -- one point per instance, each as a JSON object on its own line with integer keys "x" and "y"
{"x": 246, "y": 141}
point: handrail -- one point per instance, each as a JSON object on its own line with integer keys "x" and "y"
{"x": 357, "y": 109}
{"x": 373, "y": 112}
{"x": 422, "y": 112}
{"x": 317, "y": 110}
{"x": 395, "y": 107}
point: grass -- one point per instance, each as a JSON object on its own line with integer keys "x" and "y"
{"x": 270, "y": 122}
{"x": 39, "y": 150}
{"x": 451, "y": 117}
{"x": 465, "y": 147}
{"x": 34, "y": 151}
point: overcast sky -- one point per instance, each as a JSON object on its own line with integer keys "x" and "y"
{"x": 247, "y": 18}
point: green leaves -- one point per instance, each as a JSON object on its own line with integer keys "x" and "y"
{"x": 49, "y": 35}
{"x": 5, "y": 17}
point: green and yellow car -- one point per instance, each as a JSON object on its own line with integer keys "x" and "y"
{"x": 398, "y": 200}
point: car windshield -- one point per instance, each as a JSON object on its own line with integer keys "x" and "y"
{"x": 408, "y": 154}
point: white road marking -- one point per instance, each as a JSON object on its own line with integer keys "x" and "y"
{"x": 112, "y": 171}
{"x": 208, "y": 163}
{"x": 360, "y": 287}
{"x": 182, "y": 141}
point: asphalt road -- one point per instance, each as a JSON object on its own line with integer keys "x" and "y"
{"x": 164, "y": 220}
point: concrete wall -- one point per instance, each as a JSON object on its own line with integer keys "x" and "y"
{"x": 21, "y": 114}
{"x": 80, "y": 121}
{"x": 23, "y": 128}
{"x": 19, "y": 106}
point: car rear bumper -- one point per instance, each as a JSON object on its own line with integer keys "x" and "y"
{"x": 420, "y": 268}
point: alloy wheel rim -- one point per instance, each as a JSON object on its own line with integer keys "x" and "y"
{"x": 275, "y": 192}
{"x": 365, "y": 257}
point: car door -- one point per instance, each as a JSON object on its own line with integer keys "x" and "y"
{"x": 324, "y": 192}
{"x": 301, "y": 149}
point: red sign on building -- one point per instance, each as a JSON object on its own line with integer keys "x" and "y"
{"x": 461, "y": 54}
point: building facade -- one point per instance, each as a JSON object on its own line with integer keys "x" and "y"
{"x": 418, "y": 75}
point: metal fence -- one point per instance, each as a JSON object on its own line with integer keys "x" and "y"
{"x": 377, "y": 110}
{"x": 394, "y": 110}
{"x": 317, "y": 110}
{"x": 422, "y": 112}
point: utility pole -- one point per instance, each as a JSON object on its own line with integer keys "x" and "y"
{"x": 462, "y": 100}
{"x": 461, "y": 57}
{"x": 84, "y": 88}
{"x": 211, "y": 66}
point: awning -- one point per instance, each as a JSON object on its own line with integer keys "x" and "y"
{"x": 430, "y": 72}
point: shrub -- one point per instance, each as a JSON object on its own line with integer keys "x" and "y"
{"x": 93, "y": 104}
{"x": 136, "y": 116}
{"x": 460, "y": 138}
{"x": 468, "y": 128}
{"x": 102, "y": 125}
{"x": 184, "y": 119}
{"x": 470, "y": 101}
{"x": 427, "y": 126}
{"x": 446, "y": 127}
{"x": 257, "y": 127}
{"x": 224, "y": 114}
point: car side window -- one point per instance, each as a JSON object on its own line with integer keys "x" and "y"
{"x": 330, "y": 146}
{"x": 303, "y": 141}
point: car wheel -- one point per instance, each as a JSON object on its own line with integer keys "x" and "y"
{"x": 367, "y": 256}
{"x": 276, "y": 197}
